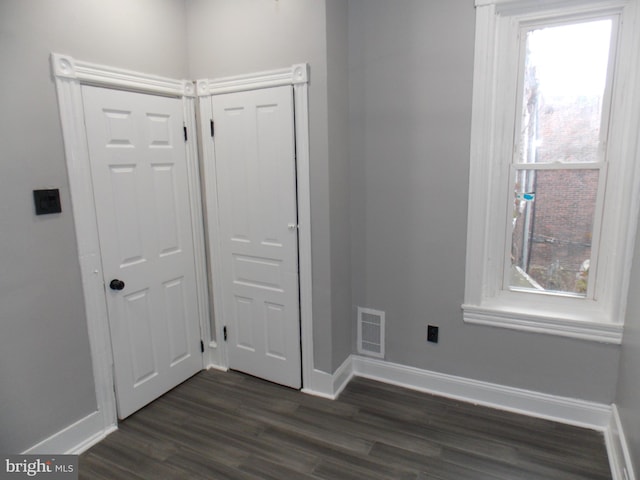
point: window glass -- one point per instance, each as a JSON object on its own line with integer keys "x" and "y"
{"x": 552, "y": 224}
{"x": 563, "y": 85}
{"x": 564, "y": 79}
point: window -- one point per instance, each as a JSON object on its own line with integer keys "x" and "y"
{"x": 558, "y": 165}
{"x": 553, "y": 181}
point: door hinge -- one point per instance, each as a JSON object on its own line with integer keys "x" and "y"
{"x": 212, "y": 127}
{"x": 224, "y": 333}
{"x": 201, "y": 346}
{"x": 185, "y": 132}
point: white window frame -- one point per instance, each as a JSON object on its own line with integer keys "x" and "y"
{"x": 600, "y": 316}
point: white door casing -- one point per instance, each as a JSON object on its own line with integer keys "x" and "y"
{"x": 314, "y": 381}
{"x": 138, "y": 165}
{"x": 70, "y": 74}
{"x": 256, "y": 183}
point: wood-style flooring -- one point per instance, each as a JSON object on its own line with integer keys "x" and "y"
{"x": 232, "y": 426}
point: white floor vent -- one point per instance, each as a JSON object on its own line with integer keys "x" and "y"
{"x": 371, "y": 332}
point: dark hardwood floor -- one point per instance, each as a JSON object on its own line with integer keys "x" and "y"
{"x": 233, "y": 426}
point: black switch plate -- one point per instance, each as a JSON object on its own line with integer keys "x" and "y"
{"x": 47, "y": 201}
{"x": 432, "y": 333}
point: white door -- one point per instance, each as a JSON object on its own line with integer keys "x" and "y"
{"x": 138, "y": 166}
{"x": 256, "y": 181}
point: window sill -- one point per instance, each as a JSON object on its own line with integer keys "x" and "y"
{"x": 532, "y": 321}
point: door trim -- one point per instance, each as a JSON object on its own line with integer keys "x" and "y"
{"x": 69, "y": 75}
{"x": 297, "y": 76}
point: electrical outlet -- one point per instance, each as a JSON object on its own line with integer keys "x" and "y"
{"x": 432, "y": 333}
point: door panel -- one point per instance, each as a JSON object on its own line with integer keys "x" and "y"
{"x": 140, "y": 342}
{"x": 164, "y": 192}
{"x": 256, "y": 179}
{"x": 177, "y": 314}
{"x": 138, "y": 167}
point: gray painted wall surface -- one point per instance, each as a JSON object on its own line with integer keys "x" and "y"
{"x": 244, "y": 36}
{"x": 45, "y": 362}
{"x": 410, "y": 85}
{"x": 628, "y": 397}
{"x": 339, "y": 180}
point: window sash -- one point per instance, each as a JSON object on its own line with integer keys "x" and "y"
{"x": 601, "y": 168}
{"x": 567, "y": 20}
{"x": 517, "y": 165}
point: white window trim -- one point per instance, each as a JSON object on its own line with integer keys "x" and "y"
{"x": 494, "y": 105}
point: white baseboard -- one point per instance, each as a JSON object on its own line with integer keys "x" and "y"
{"x": 217, "y": 367}
{"x": 329, "y": 385}
{"x": 76, "y": 438}
{"x": 566, "y": 410}
{"x": 619, "y": 455}
{"x": 561, "y": 409}
{"x": 342, "y": 376}
{"x": 214, "y": 357}
{"x": 321, "y": 385}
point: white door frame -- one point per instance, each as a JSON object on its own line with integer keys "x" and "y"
{"x": 69, "y": 75}
{"x": 298, "y": 77}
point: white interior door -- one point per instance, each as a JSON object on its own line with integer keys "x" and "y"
{"x": 256, "y": 181}
{"x": 138, "y": 166}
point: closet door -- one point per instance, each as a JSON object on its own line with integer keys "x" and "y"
{"x": 256, "y": 182}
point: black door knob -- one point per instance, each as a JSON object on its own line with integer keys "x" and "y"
{"x": 116, "y": 284}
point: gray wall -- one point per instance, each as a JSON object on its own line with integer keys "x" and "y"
{"x": 339, "y": 180}
{"x": 628, "y": 397}
{"x": 244, "y": 36}
{"x": 410, "y": 85}
{"x": 45, "y": 363}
